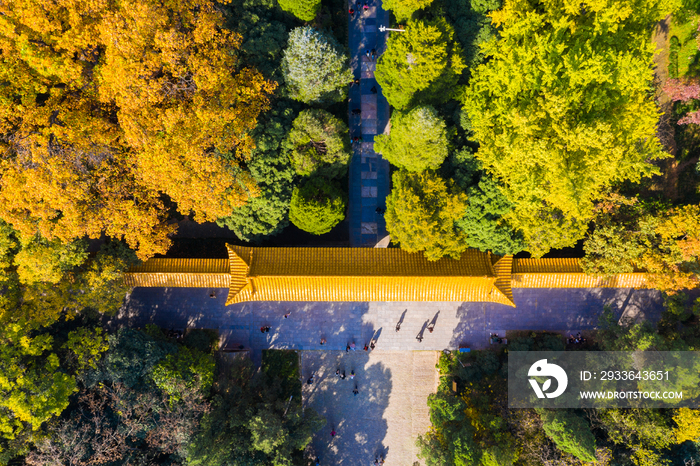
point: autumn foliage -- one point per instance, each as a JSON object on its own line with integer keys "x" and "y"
{"x": 108, "y": 109}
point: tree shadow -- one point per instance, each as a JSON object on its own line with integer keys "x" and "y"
{"x": 356, "y": 419}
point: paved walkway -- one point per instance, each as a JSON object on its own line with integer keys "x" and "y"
{"x": 369, "y": 173}
{"x": 388, "y": 413}
{"x": 343, "y": 322}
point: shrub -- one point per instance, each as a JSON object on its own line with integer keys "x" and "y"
{"x": 317, "y": 206}
{"x": 304, "y": 10}
{"x": 319, "y": 144}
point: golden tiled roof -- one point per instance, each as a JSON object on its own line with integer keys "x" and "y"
{"x": 177, "y": 273}
{"x": 567, "y": 273}
{"x": 360, "y": 274}
{"x": 369, "y": 274}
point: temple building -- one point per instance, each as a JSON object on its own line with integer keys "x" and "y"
{"x": 369, "y": 274}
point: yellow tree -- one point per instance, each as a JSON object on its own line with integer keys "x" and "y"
{"x": 109, "y": 106}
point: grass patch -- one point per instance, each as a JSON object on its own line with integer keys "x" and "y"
{"x": 283, "y": 365}
{"x": 684, "y": 57}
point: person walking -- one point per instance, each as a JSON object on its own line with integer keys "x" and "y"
{"x": 337, "y": 372}
{"x": 286, "y": 316}
{"x": 352, "y": 346}
{"x": 342, "y": 376}
{"x": 355, "y": 391}
{"x": 333, "y": 432}
{"x": 371, "y": 345}
{"x": 310, "y": 380}
{"x": 365, "y": 6}
{"x": 267, "y": 328}
{"x": 366, "y": 347}
{"x": 374, "y": 54}
{"x": 262, "y": 329}
{"x": 352, "y": 374}
{"x": 351, "y": 12}
{"x": 323, "y": 341}
{"x": 373, "y": 90}
{"x": 347, "y": 348}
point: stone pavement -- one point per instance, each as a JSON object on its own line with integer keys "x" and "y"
{"x": 343, "y": 322}
{"x": 386, "y": 416}
{"x": 369, "y": 182}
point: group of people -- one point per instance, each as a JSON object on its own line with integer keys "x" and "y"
{"x": 576, "y": 339}
{"x": 495, "y": 339}
{"x": 364, "y": 6}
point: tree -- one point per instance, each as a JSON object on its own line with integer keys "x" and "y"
{"x": 47, "y": 261}
{"x": 106, "y": 109}
{"x": 267, "y": 214}
{"x": 421, "y": 212}
{"x": 662, "y": 241}
{"x": 248, "y": 424}
{"x": 570, "y": 432}
{"x": 687, "y": 425}
{"x": 305, "y": 11}
{"x": 562, "y": 112}
{"x": 404, "y": 9}
{"x": 319, "y": 145}
{"x": 315, "y": 69}
{"x": 188, "y": 368}
{"x": 420, "y": 65}
{"x": 418, "y": 140}
{"x": 483, "y": 221}
{"x": 317, "y": 206}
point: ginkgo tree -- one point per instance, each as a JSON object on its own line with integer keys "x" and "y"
{"x": 108, "y": 109}
{"x": 562, "y": 109}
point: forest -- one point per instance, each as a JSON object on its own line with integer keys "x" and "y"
{"x": 561, "y": 128}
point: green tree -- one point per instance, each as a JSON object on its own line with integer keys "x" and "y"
{"x": 267, "y": 214}
{"x": 40, "y": 260}
{"x": 483, "y": 221}
{"x": 420, "y": 65}
{"x": 319, "y": 144}
{"x": 561, "y": 111}
{"x": 317, "y": 206}
{"x": 314, "y": 67}
{"x": 187, "y": 368}
{"x": 305, "y": 11}
{"x": 248, "y": 425}
{"x": 418, "y": 140}
{"x": 404, "y": 9}
{"x": 570, "y": 432}
{"x": 421, "y": 212}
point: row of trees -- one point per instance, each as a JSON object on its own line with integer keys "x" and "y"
{"x": 473, "y": 426}
{"x": 557, "y": 122}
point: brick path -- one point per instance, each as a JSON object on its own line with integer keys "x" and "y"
{"x": 369, "y": 173}
{"x": 386, "y": 416}
{"x": 343, "y": 322}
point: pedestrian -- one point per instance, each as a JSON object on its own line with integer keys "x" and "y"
{"x": 333, "y": 432}
{"x": 323, "y": 341}
{"x": 337, "y": 372}
{"x": 371, "y": 345}
{"x": 262, "y": 329}
{"x": 374, "y": 54}
{"x": 347, "y": 349}
{"x": 355, "y": 391}
{"x": 367, "y": 50}
{"x": 398, "y": 325}
{"x": 351, "y": 12}
{"x": 430, "y": 329}
{"x": 365, "y": 6}
{"x": 381, "y": 459}
{"x": 342, "y": 376}
{"x": 373, "y": 90}
{"x": 318, "y": 462}
{"x": 310, "y": 380}
{"x": 267, "y": 328}
{"x": 419, "y": 338}
{"x": 379, "y": 211}
{"x": 352, "y": 346}
{"x": 356, "y": 82}
{"x": 286, "y": 316}
{"x": 366, "y": 347}
{"x": 212, "y": 294}
{"x": 352, "y": 374}
{"x": 356, "y": 111}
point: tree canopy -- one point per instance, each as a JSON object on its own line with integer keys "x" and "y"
{"x": 421, "y": 212}
{"x": 562, "y": 111}
{"x": 317, "y": 206}
{"x": 319, "y": 144}
{"x": 315, "y": 69}
{"x": 418, "y": 140}
{"x": 404, "y": 9}
{"x": 304, "y": 10}
{"x": 420, "y": 65}
{"x": 107, "y": 108}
